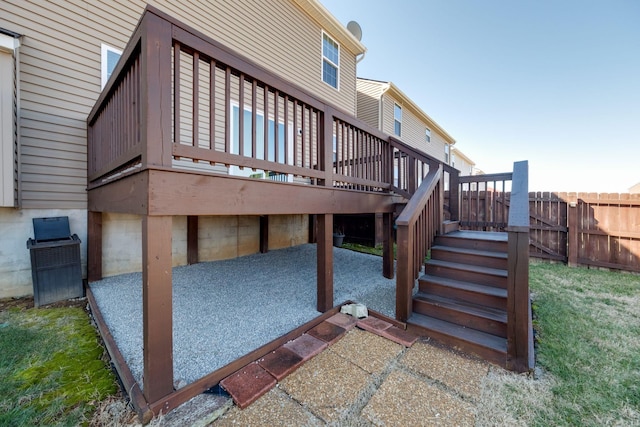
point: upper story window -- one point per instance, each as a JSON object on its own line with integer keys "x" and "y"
{"x": 110, "y": 57}
{"x": 330, "y": 60}
{"x": 446, "y": 153}
{"x": 397, "y": 119}
{"x": 427, "y": 134}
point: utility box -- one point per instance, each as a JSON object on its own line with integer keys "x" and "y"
{"x": 55, "y": 261}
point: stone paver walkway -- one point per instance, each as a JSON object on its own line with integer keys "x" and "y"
{"x": 366, "y": 379}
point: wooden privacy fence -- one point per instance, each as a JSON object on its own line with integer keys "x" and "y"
{"x": 590, "y": 229}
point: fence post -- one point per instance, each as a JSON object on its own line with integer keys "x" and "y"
{"x": 572, "y": 230}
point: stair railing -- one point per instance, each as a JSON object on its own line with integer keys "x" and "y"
{"x": 417, "y": 226}
{"x": 520, "y": 354}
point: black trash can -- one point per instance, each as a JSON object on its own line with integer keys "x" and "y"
{"x": 55, "y": 261}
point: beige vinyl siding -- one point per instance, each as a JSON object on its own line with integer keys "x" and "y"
{"x": 413, "y": 129}
{"x": 60, "y": 72}
{"x": 368, "y": 105}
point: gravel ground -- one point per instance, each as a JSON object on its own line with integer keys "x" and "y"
{"x": 224, "y": 309}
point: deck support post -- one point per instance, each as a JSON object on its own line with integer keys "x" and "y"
{"x": 192, "y": 239}
{"x": 325, "y": 262}
{"x": 387, "y": 245}
{"x": 264, "y": 234}
{"x": 94, "y": 246}
{"x": 157, "y": 309}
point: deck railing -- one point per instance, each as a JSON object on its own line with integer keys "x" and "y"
{"x": 180, "y": 100}
{"x": 417, "y": 226}
{"x": 484, "y": 201}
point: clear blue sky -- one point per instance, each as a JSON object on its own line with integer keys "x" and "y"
{"x": 554, "y": 82}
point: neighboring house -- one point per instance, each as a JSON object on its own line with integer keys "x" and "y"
{"x": 55, "y": 58}
{"x": 635, "y": 189}
{"x": 385, "y": 107}
{"x": 460, "y": 161}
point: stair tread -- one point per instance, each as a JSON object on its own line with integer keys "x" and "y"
{"x": 497, "y": 236}
{"x": 466, "y": 334}
{"x": 468, "y": 267}
{"x": 493, "y": 254}
{"x": 490, "y": 313}
{"x": 466, "y": 286}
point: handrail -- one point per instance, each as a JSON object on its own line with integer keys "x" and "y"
{"x": 417, "y": 225}
{"x": 519, "y": 323}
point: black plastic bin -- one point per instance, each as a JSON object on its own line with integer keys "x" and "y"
{"x": 55, "y": 261}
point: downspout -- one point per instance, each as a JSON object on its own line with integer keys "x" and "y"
{"x": 355, "y": 96}
{"x": 381, "y": 109}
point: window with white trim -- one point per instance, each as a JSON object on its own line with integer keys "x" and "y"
{"x": 109, "y": 59}
{"x": 446, "y": 153}
{"x": 330, "y": 61}
{"x": 397, "y": 119}
{"x": 247, "y": 149}
{"x": 427, "y": 134}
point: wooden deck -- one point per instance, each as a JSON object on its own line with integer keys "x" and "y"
{"x": 186, "y": 127}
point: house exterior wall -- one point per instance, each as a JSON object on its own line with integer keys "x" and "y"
{"x": 368, "y": 102}
{"x": 60, "y": 79}
{"x": 462, "y": 165}
{"x": 413, "y": 129}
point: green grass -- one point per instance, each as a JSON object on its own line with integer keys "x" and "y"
{"x": 588, "y": 324}
{"x": 52, "y": 367}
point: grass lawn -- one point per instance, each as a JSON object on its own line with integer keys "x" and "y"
{"x": 52, "y": 367}
{"x": 588, "y": 359}
{"x": 587, "y": 353}
{"x": 589, "y": 341}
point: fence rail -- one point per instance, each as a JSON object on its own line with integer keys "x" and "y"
{"x": 589, "y": 229}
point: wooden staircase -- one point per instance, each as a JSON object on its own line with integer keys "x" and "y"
{"x": 462, "y": 297}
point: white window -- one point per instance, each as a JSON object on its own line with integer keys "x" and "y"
{"x": 427, "y": 134}
{"x": 446, "y": 153}
{"x": 247, "y": 149}
{"x": 110, "y": 57}
{"x": 8, "y": 57}
{"x": 330, "y": 61}
{"x": 397, "y": 120}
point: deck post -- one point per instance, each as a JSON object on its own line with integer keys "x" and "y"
{"x": 404, "y": 273}
{"x": 325, "y": 262}
{"x": 157, "y": 309}
{"x": 155, "y": 92}
{"x": 454, "y": 195}
{"x": 264, "y": 234}
{"x": 192, "y": 239}
{"x": 387, "y": 245}
{"x": 519, "y": 324}
{"x": 94, "y": 246}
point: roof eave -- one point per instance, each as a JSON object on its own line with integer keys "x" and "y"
{"x": 320, "y": 14}
{"x": 398, "y": 94}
